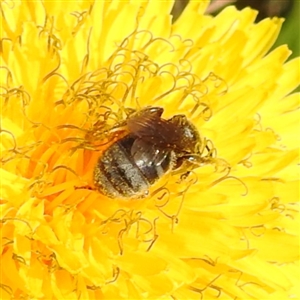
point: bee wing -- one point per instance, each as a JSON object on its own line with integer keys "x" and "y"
{"x": 153, "y": 129}
{"x": 141, "y": 121}
{"x": 146, "y": 154}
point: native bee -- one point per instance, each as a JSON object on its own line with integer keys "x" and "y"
{"x": 152, "y": 147}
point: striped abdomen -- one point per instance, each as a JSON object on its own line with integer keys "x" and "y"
{"x": 129, "y": 166}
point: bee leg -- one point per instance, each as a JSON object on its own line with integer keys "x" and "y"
{"x": 85, "y": 187}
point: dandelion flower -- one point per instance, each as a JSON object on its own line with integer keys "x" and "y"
{"x": 228, "y": 230}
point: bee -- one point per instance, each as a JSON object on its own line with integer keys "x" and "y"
{"x": 151, "y": 147}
